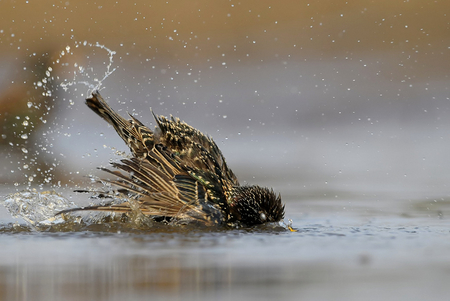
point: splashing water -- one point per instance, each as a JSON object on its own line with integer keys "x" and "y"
{"x": 79, "y": 71}
{"x": 37, "y": 208}
{"x": 63, "y": 67}
{"x": 40, "y": 210}
{"x": 82, "y": 71}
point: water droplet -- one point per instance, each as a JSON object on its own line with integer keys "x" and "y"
{"x": 25, "y": 123}
{"x": 24, "y": 136}
{"x": 24, "y": 150}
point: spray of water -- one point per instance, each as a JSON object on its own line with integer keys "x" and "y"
{"x": 64, "y": 69}
{"x": 82, "y": 72}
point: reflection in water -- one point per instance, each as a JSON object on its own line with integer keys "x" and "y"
{"x": 137, "y": 276}
{"x": 105, "y": 267}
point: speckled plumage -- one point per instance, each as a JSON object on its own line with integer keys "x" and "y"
{"x": 178, "y": 174}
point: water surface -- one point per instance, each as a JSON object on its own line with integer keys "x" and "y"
{"x": 345, "y": 249}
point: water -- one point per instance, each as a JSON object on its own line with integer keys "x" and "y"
{"x": 37, "y": 208}
{"x": 351, "y": 248}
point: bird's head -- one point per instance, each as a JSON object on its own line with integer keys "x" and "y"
{"x": 252, "y": 205}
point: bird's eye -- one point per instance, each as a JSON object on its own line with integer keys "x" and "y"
{"x": 263, "y": 217}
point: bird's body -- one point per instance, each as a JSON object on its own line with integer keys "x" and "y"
{"x": 177, "y": 174}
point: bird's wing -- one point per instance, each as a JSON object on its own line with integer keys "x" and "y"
{"x": 159, "y": 187}
{"x": 194, "y": 148}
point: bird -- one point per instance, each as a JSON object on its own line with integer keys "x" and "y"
{"x": 178, "y": 175}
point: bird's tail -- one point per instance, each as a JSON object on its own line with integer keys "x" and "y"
{"x": 138, "y": 137}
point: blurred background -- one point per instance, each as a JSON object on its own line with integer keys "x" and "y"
{"x": 318, "y": 93}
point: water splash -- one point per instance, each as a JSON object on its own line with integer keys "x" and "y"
{"x": 81, "y": 71}
{"x": 41, "y": 211}
{"x": 37, "y": 208}
{"x": 55, "y": 70}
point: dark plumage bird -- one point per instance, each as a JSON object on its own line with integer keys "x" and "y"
{"x": 177, "y": 174}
